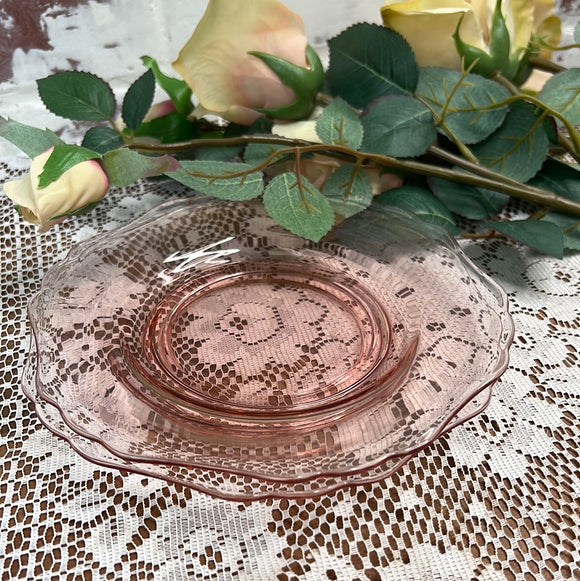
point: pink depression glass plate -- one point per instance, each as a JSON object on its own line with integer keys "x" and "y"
{"x": 206, "y": 345}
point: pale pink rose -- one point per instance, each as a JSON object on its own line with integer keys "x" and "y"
{"x": 225, "y": 79}
{"x": 159, "y": 110}
{"x": 81, "y": 185}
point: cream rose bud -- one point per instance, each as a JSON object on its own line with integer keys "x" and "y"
{"x": 81, "y": 185}
{"x": 429, "y": 25}
{"x": 225, "y": 79}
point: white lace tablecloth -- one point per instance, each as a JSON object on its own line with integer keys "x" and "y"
{"x": 497, "y": 498}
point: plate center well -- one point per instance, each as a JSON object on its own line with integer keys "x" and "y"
{"x": 267, "y": 339}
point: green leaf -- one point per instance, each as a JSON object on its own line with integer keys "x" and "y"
{"x": 78, "y": 96}
{"x": 457, "y": 102}
{"x": 570, "y": 226}
{"x": 560, "y": 178}
{"x": 169, "y": 128}
{"x": 543, "y": 236}
{"x": 31, "y": 140}
{"x": 62, "y": 158}
{"x": 562, "y": 94}
{"x": 398, "y": 126}
{"x": 564, "y": 180}
{"x": 300, "y": 208}
{"x": 339, "y": 125}
{"x": 176, "y": 89}
{"x": 256, "y": 153}
{"x": 468, "y": 201}
{"x": 518, "y": 148}
{"x": 212, "y": 178}
{"x": 138, "y": 100}
{"x": 349, "y": 190}
{"x": 368, "y": 61}
{"x": 102, "y": 139}
{"x": 577, "y": 33}
{"x": 422, "y": 203}
{"x": 124, "y": 166}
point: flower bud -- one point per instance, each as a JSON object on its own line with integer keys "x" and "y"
{"x": 305, "y": 82}
{"x": 160, "y": 110}
{"x": 82, "y": 186}
{"x": 246, "y": 59}
{"x": 497, "y": 57}
{"x": 496, "y": 36}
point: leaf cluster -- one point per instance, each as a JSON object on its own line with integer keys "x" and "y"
{"x": 461, "y": 144}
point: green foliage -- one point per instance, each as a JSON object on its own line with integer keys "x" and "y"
{"x": 568, "y": 225}
{"x": 31, "y": 140}
{"x": 176, "y": 89}
{"x": 564, "y": 180}
{"x": 170, "y": 128}
{"x": 257, "y": 153}
{"x": 399, "y": 126}
{"x": 466, "y": 106}
{"x": 468, "y": 201}
{"x": 78, "y": 96}
{"x": 349, "y": 190}
{"x": 224, "y": 180}
{"x": 62, "y": 158}
{"x": 340, "y": 125}
{"x": 102, "y": 139}
{"x": 124, "y": 166}
{"x": 559, "y": 177}
{"x": 422, "y": 203}
{"x": 368, "y": 61}
{"x": 562, "y": 94}
{"x": 138, "y": 100}
{"x": 519, "y": 147}
{"x": 298, "y": 206}
{"x": 541, "y": 235}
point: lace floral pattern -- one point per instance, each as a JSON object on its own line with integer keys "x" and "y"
{"x": 496, "y": 498}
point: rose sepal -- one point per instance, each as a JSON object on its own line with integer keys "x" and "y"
{"x": 498, "y": 59}
{"x": 306, "y": 82}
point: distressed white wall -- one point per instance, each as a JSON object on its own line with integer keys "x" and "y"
{"x": 108, "y": 38}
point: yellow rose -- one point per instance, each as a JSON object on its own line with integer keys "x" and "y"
{"x": 226, "y": 80}
{"x": 429, "y": 26}
{"x": 81, "y": 185}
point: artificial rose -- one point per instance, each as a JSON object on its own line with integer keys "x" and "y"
{"x": 429, "y": 27}
{"x": 160, "y": 110}
{"x": 225, "y": 79}
{"x": 78, "y": 187}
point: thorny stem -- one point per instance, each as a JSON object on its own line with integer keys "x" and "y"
{"x": 478, "y": 176}
{"x": 546, "y": 65}
{"x": 440, "y": 117}
{"x": 299, "y": 183}
{"x": 348, "y": 186}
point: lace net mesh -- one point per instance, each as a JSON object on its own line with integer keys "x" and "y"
{"x": 496, "y": 498}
